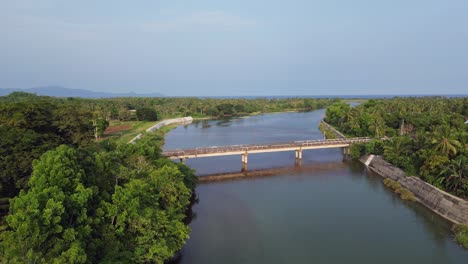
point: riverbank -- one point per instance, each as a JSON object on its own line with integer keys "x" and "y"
{"x": 181, "y": 120}
{"x": 444, "y": 204}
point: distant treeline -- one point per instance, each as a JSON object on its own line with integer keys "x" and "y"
{"x": 117, "y": 108}
{"x": 429, "y": 136}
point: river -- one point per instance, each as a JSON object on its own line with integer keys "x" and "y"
{"x": 331, "y": 211}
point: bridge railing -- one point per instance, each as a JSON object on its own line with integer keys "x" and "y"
{"x": 249, "y": 147}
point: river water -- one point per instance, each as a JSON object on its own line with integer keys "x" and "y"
{"x": 331, "y": 211}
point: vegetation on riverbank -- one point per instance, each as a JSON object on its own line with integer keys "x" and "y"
{"x": 404, "y": 193}
{"x": 461, "y": 234}
{"x": 428, "y": 136}
{"x": 131, "y": 108}
{"x": 327, "y": 132}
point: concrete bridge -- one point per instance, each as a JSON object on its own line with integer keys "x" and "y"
{"x": 245, "y": 150}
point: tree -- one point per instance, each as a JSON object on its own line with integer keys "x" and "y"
{"x": 50, "y": 222}
{"x": 147, "y": 217}
{"x": 18, "y": 148}
{"x": 443, "y": 142}
{"x": 336, "y": 113}
{"x": 147, "y": 114}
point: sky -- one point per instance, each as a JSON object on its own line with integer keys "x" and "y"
{"x": 233, "y": 48}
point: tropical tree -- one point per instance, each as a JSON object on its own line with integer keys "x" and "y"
{"x": 50, "y": 223}
{"x": 443, "y": 142}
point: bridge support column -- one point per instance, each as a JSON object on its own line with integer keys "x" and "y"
{"x": 346, "y": 153}
{"x": 299, "y": 154}
{"x": 298, "y": 160}
{"x": 244, "y": 161}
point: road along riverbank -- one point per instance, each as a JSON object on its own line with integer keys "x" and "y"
{"x": 181, "y": 120}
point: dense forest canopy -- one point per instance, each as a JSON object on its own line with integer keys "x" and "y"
{"x": 429, "y": 137}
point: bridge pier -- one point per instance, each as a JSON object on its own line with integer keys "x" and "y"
{"x": 346, "y": 153}
{"x": 298, "y": 160}
{"x": 244, "y": 161}
{"x": 299, "y": 154}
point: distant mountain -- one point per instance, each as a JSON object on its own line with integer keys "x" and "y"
{"x": 58, "y": 91}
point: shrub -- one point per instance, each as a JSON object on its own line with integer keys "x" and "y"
{"x": 404, "y": 193}
{"x": 356, "y": 150}
{"x": 461, "y": 234}
{"x": 374, "y": 147}
{"x": 147, "y": 114}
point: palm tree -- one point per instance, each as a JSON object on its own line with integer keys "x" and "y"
{"x": 398, "y": 146}
{"x": 443, "y": 143}
{"x": 456, "y": 172}
{"x": 353, "y": 119}
{"x": 378, "y": 126}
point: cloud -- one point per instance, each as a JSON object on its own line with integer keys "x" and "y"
{"x": 199, "y": 19}
{"x": 167, "y": 21}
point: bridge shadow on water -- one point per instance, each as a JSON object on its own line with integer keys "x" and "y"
{"x": 296, "y": 169}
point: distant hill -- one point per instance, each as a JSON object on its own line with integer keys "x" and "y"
{"x": 58, "y": 91}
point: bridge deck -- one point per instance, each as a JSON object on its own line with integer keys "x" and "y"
{"x": 261, "y": 148}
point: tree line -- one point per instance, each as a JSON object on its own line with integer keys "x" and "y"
{"x": 140, "y": 108}
{"x": 429, "y": 137}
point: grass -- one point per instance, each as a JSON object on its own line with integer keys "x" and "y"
{"x": 168, "y": 128}
{"x": 328, "y": 133}
{"x": 135, "y": 128}
{"x": 461, "y": 234}
{"x": 404, "y": 193}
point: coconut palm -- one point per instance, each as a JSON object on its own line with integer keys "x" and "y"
{"x": 377, "y": 126}
{"x": 443, "y": 142}
{"x": 457, "y": 175}
{"x": 398, "y": 146}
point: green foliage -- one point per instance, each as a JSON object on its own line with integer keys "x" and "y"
{"x": 391, "y": 184}
{"x": 428, "y": 136}
{"x": 50, "y": 222}
{"x": 336, "y": 113}
{"x": 404, "y": 193}
{"x": 375, "y": 147}
{"x": 31, "y": 125}
{"x": 461, "y": 234}
{"x": 327, "y": 132}
{"x": 100, "y": 203}
{"x": 146, "y": 114}
{"x": 356, "y": 150}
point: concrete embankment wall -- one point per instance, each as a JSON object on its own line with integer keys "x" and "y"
{"x": 446, "y": 205}
{"x": 337, "y": 133}
{"x": 181, "y": 120}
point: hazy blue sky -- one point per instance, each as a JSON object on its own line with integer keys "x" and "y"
{"x": 254, "y": 47}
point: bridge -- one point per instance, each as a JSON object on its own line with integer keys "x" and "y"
{"x": 245, "y": 150}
